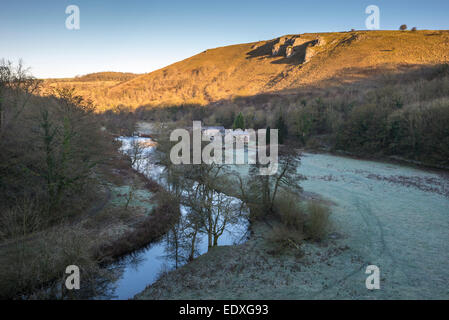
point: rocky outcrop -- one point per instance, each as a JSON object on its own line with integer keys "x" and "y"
{"x": 276, "y": 49}
{"x": 320, "y": 41}
{"x": 305, "y": 45}
{"x": 282, "y": 40}
{"x": 289, "y": 51}
{"x": 282, "y": 44}
{"x": 310, "y": 52}
{"x": 299, "y": 41}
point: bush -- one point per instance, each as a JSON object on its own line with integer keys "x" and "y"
{"x": 34, "y": 268}
{"x": 289, "y": 210}
{"x": 403, "y": 27}
{"x": 297, "y": 222}
{"x": 289, "y": 233}
{"x": 20, "y": 219}
{"x": 317, "y": 222}
{"x": 285, "y": 238}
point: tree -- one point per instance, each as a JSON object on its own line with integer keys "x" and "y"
{"x": 17, "y": 86}
{"x": 303, "y": 125}
{"x": 282, "y": 127}
{"x": 136, "y": 153}
{"x": 260, "y": 191}
{"x": 267, "y": 135}
{"x": 414, "y": 29}
{"x": 173, "y": 176}
{"x": 403, "y": 27}
{"x": 211, "y": 209}
{"x": 178, "y": 244}
{"x": 68, "y": 144}
{"x": 239, "y": 122}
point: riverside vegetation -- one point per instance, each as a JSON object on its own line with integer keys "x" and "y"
{"x": 60, "y": 170}
{"x": 65, "y": 195}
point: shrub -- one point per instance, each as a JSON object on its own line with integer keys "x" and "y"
{"x": 414, "y": 29}
{"x": 317, "y": 222}
{"x": 32, "y": 269}
{"x": 20, "y": 220}
{"x": 297, "y": 222}
{"x": 283, "y": 238}
{"x": 289, "y": 210}
{"x": 403, "y": 27}
{"x": 290, "y": 231}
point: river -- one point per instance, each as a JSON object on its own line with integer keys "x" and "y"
{"x": 144, "y": 266}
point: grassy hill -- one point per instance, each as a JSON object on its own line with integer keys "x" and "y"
{"x": 248, "y": 69}
{"x": 92, "y": 86}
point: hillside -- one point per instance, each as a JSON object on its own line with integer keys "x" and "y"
{"x": 284, "y": 63}
{"x": 92, "y": 86}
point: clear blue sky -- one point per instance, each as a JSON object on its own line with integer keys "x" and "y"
{"x": 144, "y": 35}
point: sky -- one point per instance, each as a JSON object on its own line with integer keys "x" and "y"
{"x": 144, "y": 35}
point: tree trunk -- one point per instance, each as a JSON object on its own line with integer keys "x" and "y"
{"x": 192, "y": 248}
{"x": 209, "y": 239}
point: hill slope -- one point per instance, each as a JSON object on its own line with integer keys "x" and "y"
{"x": 284, "y": 63}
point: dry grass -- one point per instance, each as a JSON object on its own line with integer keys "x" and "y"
{"x": 250, "y": 69}
{"x": 31, "y": 265}
{"x": 285, "y": 238}
{"x": 317, "y": 223}
{"x": 297, "y": 222}
{"x": 22, "y": 219}
{"x": 290, "y": 211}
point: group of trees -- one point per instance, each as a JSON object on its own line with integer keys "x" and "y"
{"x": 403, "y": 116}
{"x": 203, "y": 192}
{"x": 214, "y": 198}
{"x": 278, "y": 198}
{"x": 403, "y": 27}
{"x": 49, "y": 147}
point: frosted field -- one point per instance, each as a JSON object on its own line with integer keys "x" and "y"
{"x": 388, "y": 215}
{"x": 391, "y": 216}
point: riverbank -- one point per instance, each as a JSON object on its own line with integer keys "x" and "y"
{"x": 253, "y": 270}
{"x": 123, "y": 216}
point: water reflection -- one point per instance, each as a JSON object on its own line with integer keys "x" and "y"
{"x": 181, "y": 244}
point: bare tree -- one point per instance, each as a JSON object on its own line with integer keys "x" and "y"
{"x": 136, "y": 153}
{"x": 17, "y": 85}
{"x": 260, "y": 191}
{"x": 212, "y": 210}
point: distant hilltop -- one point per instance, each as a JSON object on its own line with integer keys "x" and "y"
{"x": 278, "y": 65}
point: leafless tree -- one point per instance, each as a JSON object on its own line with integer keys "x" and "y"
{"x": 212, "y": 210}
{"x": 17, "y": 86}
{"x": 260, "y": 191}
